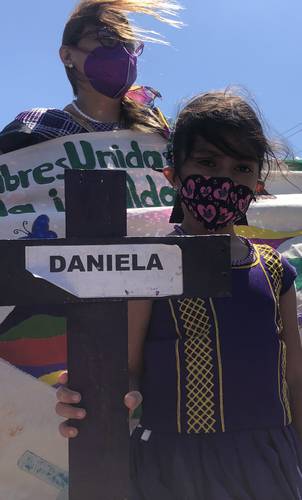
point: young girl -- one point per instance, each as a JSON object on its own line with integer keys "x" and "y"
{"x": 220, "y": 378}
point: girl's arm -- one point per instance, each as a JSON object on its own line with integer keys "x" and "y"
{"x": 139, "y": 313}
{"x": 291, "y": 337}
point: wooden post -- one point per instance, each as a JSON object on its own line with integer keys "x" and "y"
{"x": 98, "y": 348}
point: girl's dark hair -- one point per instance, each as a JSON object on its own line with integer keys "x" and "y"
{"x": 111, "y": 13}
{"x": 227, "y": 121}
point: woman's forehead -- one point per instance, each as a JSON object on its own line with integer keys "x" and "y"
{"x": 89, "y": 26}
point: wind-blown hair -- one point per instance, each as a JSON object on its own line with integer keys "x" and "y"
{"x": 113, "y": 14}
{"x": 218, "y": 116}
{"x": 232, "y": 124}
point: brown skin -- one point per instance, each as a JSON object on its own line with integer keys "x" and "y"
{"x": 291, "y": 337}
{"x": 206, "y": 160}
{"x": 91, "y": 102}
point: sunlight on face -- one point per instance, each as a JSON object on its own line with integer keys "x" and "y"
{"x": 87, "y": 43}
{"x": 207, "y": 160}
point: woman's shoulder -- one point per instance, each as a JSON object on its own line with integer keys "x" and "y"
{"x": 34, "y": 116}
{"x": 33, "y": 126}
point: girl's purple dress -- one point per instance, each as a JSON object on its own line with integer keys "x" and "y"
{"x": 216, "y": 421}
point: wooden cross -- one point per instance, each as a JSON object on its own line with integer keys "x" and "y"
{"x": 93, "y": 272}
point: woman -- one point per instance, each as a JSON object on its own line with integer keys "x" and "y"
{"x": 99, "y": 51}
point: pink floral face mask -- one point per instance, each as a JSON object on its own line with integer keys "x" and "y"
{"x": 215, "y": 201}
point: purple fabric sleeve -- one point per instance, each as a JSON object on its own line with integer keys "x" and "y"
{"x": 289, "y": 275}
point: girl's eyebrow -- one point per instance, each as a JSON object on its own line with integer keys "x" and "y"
{"x": 207, "y": 152}
{"x": 215, "y": 154}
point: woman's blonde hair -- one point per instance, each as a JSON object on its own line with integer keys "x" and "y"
{"x": 112, "y": 13}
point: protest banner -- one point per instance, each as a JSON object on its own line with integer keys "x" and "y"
{"x": 33, "y": 462}
{"x": 32, "y": 206}
{"x": 32, "y": 179}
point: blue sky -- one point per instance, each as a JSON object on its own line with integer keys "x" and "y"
{"x": 255, "y": 44}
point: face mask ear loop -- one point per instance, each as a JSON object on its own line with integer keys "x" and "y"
{"x": 177, "y": 215}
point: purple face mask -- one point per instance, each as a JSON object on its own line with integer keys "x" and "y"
{"x": 111, "y": 72}
{"x": 215, "y": 201}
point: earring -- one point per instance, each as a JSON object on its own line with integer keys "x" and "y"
{"x": 69, "y": 66}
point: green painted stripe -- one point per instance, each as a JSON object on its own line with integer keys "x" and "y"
{"x": 36, "y": 327}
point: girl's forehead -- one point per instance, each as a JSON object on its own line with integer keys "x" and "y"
{"x": 202, "y": 145}
{"x": 234, "y": 145}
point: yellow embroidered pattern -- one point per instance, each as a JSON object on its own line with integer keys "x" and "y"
{"x": 199, "y": 366}
{"x": 275, "y": 268}
{"x": 285, "y": 392}
{"x": 274, "y": 265}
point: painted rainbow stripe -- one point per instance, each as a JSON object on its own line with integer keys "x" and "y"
{"x": 37, "y": 346}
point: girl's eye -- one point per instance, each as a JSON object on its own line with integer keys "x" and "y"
{"x": 244, "y": 169}
{"x": 205, "y": 162}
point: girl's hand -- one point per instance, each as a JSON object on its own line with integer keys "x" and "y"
{"x": 66, "y": 398}
{"x": 132, "y": 401}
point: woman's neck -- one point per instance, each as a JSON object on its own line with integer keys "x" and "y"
{"x": 99, "y": 107}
